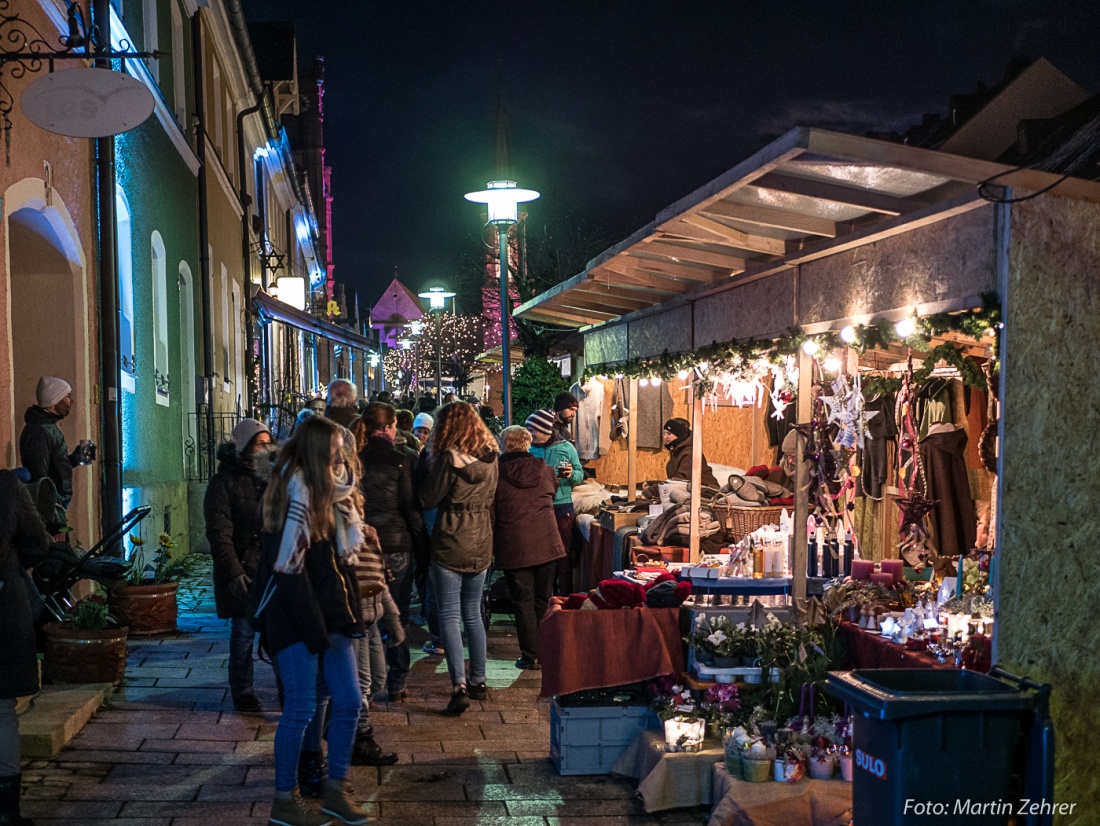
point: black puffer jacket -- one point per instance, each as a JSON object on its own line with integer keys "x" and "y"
{"x": 43, "y": 452}
{"x": 23, "y": 544}
{"x": 389, "y": 504}
{"x": 462, "y": 487}
{"x": 234, "y": 521}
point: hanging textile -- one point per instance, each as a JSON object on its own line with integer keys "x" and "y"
{"x": 953, "y": 516}
{"x": 620, "y": 412}
{"x": 654, "y": 409}
{"x": 873, "y": 460}
{"x": 593, "y": 427}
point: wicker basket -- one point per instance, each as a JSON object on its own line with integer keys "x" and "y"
{"x": 738, "y": 521}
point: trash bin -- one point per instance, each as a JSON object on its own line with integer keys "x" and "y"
{"x": 934, "y": 746}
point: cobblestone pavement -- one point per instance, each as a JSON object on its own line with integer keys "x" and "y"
{"x": 170, "y": 749}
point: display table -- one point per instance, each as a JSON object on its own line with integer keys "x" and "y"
{"x": 668, "y": 780}
{"x": 584, "y": 649}
{"x": 872, "y": 651}
{"x": 732, "y": 585}
{"x": 805, "y": 803}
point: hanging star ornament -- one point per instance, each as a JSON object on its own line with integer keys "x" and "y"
{"x": 913, "y": 509}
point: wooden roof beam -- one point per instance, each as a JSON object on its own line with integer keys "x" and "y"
{"x": 552, "y": 315}
{"x": 736, "y": 237}
{"x": 613, "y": 298}
{"x": 768, "y": 217}
{"x": 684, "y": 272}
{"x": 687, "y": 254}
{"x": 632, "y": 272}
{"x": 572, "y": 301}
{"x": 845, "y": 195}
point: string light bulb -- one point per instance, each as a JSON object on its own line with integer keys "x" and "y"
{"x": 831, "y": 364}
{"x": 810, "y": 347}
{"x": 848, "y": 334}
{"x": 681, "y": 374}
{"x": 905, "y": 328}
{"x": 655, "y": 381}
{"x": 643, "y": 382}
{"x": 618, "y": 375}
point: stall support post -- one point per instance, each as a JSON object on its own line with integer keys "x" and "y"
{"x": 632, "y": 442}
{"x": 696, "y": 471}
{"x": 801, "y": 492}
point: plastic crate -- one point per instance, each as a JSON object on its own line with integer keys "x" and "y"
{"x": 589, "y": 739}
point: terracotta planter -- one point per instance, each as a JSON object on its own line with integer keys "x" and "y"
{"x": 146, "y": 609}
{"x": 78, "y": 656}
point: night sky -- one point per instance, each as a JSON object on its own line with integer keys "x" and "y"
{"x": 616, "y": 109}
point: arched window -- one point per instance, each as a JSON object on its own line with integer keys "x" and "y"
{"x": 127, "y": 335}
{"x": 160, "y": 319}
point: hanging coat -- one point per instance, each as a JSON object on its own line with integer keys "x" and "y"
{"x": 954, "y": 519}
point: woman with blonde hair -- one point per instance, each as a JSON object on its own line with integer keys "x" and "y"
{"x": 308, "y": 613}
{"x": 461, "y": 482}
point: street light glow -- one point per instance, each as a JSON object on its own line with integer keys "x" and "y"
{"x": 502, "y": 199}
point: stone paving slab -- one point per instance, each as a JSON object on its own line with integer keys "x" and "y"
{"x": 169, "y": 749}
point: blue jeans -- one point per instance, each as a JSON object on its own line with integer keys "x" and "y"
{"x": 399, "y": 657}
{"x": 458, "y": 598}
{"x": 299, "y": 670}
{"x": 371, "y": 659}
{"x": 242, "y": 633}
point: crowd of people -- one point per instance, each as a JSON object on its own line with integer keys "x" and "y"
{"x": 319, "y": 544}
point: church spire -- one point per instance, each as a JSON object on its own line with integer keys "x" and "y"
{"x": 502, "y": 169}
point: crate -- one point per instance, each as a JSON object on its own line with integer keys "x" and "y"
{"x": 589, "y": 739}
{"x": 612, "y": 520}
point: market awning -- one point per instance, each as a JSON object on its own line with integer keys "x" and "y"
{"x": 275, "y": 310}
{"x": 808, "y": 194}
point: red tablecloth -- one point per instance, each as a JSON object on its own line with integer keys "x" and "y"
{"x": 597, "y": 649}
{"x": 872, "y": 651}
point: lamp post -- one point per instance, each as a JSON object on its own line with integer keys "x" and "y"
{"x": 502, "y": 199}
{"x": 437, "y": 300}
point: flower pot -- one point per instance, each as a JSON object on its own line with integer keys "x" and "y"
{"x": 733, "y": 758}
{"x": 724, "y": 662}
{"x": 79, "y": 656}
{"x": 821, "y": 768}
{"x": 748, "y": 661}
{"x": 853, "y": 613}
{"x": 846, "y": 767}
{"x": 786, "y": 771}
{"x": 684, "y": 734}
{"x": 704, "y": 657}
{"x": 146, "y": 609}
{"x": 756, "y": 771}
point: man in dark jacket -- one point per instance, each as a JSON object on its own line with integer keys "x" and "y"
{"x": 565, "y": 412}
{"x": 391, "y": 508}
{"x": 526, "y": 543}
{"x": 234, "y": 520}
{"x": 23, "y": 544}
{"x": 677, "y": 436}
{"x": 42, "y": 447}
{"x": 343, "y": 407}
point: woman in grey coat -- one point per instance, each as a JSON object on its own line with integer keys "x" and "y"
{"x": 461, "y": 482}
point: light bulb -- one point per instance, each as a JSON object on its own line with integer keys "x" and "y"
{"x": 831, "y": 364}
{"x": 809, "y": 347}
{"x": 618, "y": 375}
{"x": 655, "y": 381}
{"x": 643, "y": 382}
{"x": 681, "y": 374}
{"x": 704, "y": 366}
{"x": 905, "y": 328}
{"x": 848, "y": 334}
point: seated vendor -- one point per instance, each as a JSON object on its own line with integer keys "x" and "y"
{"x": 677, "y": 436}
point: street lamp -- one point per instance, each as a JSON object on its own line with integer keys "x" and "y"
{"x": 502, "y": 200}
{"x": 437, "y": 300}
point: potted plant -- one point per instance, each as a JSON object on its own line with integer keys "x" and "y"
{"x": 727, "y": 651}
{"x": 89, "y": 647}
{"x": 675, "y": 705}
{"x": 825, "y": 742}
{"x": 720, "y": 705}
{"x": 750, "y": 647}
{"x": 706, "y": 638}
{"x": 146, "y": 603}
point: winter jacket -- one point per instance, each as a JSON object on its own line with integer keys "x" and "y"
{"x": 389, "y": 503}
{"x": 525, "y": 532}
{"x": 344, "y": 416}
{"x": 308, "y": 607}
{"x": 462, "y": 487}
{"x": 679, "y": 464}
{"x": 43, "y": 451}
{"x": 234, "y": 521}
{"x": 555, "y": 453}
{"x": 23, "y": 544}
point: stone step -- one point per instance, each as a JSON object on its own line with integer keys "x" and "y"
{"x": 57, "y": 714}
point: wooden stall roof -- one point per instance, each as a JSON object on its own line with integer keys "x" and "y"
{"x": 808, "y": 194}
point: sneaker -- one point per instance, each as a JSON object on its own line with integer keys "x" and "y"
{"x": 248, "y": 704}
{"x": 431, "y": 648}
{"x": 478, "y": 692}
{"x": 289, "y": 809}
{"x": 338, "y": 803}
{"x": 460, "y": 701}
{"x": 528, "y": 665}
{"x": 367, "y": 752}
{"x": 311, "y": 772}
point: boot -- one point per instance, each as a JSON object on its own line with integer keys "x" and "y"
{"x": 338, "y": 803}
{"x": 289, "y": 809}
{"x": 367, "y": 752}
{"x": 9, "y": 802}
{"x": 311, "y": 772}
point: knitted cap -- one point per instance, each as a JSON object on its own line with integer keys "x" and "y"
{"x": 245, "y": 431}
{"x": 541, "y": 421}
{"x": 678, "y": 427}
{"x": 51, "y": 390}
{"x": 423, "y": 420}
{"x": 564, "y": 401}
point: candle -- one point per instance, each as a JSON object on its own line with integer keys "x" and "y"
{"x": 862, "y": 568}
{"x": 894, "y": 567}
{"x": 959, "y": 581}
{"x": 884, "y": 579}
